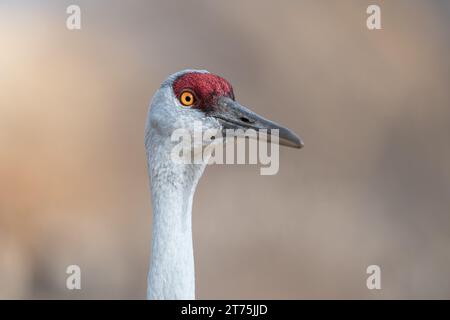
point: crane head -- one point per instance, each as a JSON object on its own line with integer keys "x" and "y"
{"x": 197, "y": 95}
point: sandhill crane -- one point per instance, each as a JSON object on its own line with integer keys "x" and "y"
{"x": 184, "y": 98}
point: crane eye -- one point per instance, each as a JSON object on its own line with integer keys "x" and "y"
{"x": 187, "y": 98}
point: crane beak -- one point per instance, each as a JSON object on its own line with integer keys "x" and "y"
{"x": 232, "y": 115}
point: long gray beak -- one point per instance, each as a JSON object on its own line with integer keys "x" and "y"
{"x": 232, "y": 115}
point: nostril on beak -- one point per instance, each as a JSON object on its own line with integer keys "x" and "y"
{"x": 244, "y": 119}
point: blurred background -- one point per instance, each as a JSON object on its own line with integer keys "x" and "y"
{"x": 372, "y": 185}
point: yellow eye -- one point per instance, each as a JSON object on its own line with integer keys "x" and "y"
{"x": 187, "y": 98}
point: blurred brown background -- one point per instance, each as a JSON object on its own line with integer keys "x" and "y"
{"x": 372, "y": 185}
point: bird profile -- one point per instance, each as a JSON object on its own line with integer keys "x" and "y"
{"x": 185, "y": 98}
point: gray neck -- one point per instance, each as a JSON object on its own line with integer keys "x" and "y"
{"x": 171, "y": 274}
